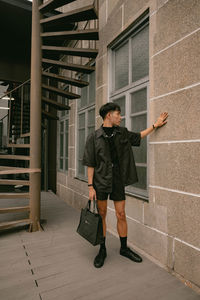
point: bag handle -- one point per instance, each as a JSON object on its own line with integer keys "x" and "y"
{"x": 94, "y": 205}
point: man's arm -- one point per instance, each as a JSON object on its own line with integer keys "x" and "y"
{"x": 160, "y": 122}
{"x": 90, "y": 171}
{"x": 92, "y": 192}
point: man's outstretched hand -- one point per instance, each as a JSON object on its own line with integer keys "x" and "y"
{"x": 161, "y": 120}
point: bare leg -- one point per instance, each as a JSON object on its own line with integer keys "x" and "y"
{"x": 102, "y": 205}
{"x": 99, "y": 259}
{"x": 122, "y": 227}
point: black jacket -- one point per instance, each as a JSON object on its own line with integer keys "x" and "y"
{"x": 97, "y": 155}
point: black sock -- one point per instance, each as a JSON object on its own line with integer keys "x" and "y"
{"x": 103, "y": 245}
{"x": 123, "y": 241}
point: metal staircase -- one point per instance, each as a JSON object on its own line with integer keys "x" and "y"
{"x": 54, "y": 36}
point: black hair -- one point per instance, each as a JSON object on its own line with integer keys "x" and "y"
{"x": 110, "y": 106}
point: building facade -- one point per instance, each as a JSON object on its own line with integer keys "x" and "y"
{"x": 148, "y": 63}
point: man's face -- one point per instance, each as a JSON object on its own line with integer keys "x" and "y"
{"x": 114, "y": 117}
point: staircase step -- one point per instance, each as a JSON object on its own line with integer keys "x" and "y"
{"x": 6, "y": 225}
{"x": 69, "y": 66}
{"x": 25, "y": 134}
{"x": 14, "y": 209}
{"x": 14, "y": 182}
{"x": 84, "y": 52}
{"x": 18, "y": 157}
{"x": 77, "y": 15}
{"x": 55, "y": 104}
{"x": 18, "y": 146}
{"x": 53, "y": 4}
{"x": 88, "y": 34}
{"x": 67, "y": 94}
{"x": 49, "y": 115}
{"x": 14, "y": 195}
{"x": 13, "y": 170}
{"x": 71, "y": 81}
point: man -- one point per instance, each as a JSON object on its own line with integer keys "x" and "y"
{"x": 109, "y": 157}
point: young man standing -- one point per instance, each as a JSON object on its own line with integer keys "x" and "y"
{"x": 111, "y": 166}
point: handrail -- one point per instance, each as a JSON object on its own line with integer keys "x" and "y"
{"x": 15, "y": 88}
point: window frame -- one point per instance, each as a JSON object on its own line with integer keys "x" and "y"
{"x": 127, "y": 91}
{"x": 80, "y": 110}
{"x": 63, "y": 118}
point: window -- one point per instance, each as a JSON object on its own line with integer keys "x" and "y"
{"x": 129, "y": 72}
{"x": 63, "y": 136}
{"x": 85, "y": 120}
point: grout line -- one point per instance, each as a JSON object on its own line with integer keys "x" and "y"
{"x": 106, "y": 11}
{"x": 183, "y": 242}
{"x": 174, "y": 142}
{"x": 178, "y": 41}
{"x": 122, "y": 7}
{"x": 100, "y": 57}
{"x": 105, "y": 84}
{"x": 173, "y": 254}
{"x": 176, "y": 91}
{"x": 155, "y": 11}
{"x": 175, "y": 191}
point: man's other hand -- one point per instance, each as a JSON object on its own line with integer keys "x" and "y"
{"x": 92, "y": 193}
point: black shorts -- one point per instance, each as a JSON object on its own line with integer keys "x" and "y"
{"x": 118, "y": 190}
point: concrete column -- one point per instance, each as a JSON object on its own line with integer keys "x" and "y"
{"x": 35, "y": 118}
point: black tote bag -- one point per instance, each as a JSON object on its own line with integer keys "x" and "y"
{"x": 90, "y": 225}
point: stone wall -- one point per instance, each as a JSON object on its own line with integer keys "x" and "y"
{"x": 167, "y": 227}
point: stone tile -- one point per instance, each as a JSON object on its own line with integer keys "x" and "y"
{"x": 112, "y": 5}
{"x": 187, "y": 262}
{"x": 179, "y": 163}
{"x": 149, "y": 240}
{"x": 134, "y": 208}
{"x": 133, "y": 9}
{"x": 71, "y": 162}
{"x": 101, "y": 70}
{"x": 77, "y": 185}
{"x": 101, "y": 98}
{"x": 71, "y": 173}
{"x": 67, "y": 195}
{"x": 71, "y": 134}
{"x": 170, "y": 253}
{"x": 111, "y": 221}
{"x": 176, "y": 19}
{"x": 178, "y": 66}
{"x": 181, "y": 215}
{"x": 112, "y": 29}
{"x": 98, "y": 121}
{"x": 79, "y": 201}
{"x": 102, "y": 13}
{"x": 72, "y": 112}
{"x": 111, "y": 203}
{"x": 61, "y": 178}
{"x": 156, "y": 216}
{"x": 185, "y": 104}
{"x": 58, "y": 189}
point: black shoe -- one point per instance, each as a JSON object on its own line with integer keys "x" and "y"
{"x": 99, "y": 259}
{"x": 127, "y": 252}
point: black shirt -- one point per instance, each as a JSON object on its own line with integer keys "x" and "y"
{"x": 113, "y": 151}
{"x": 97, "y": 155}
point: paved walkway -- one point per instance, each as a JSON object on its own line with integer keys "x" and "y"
{"x": 58, "y": 264}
